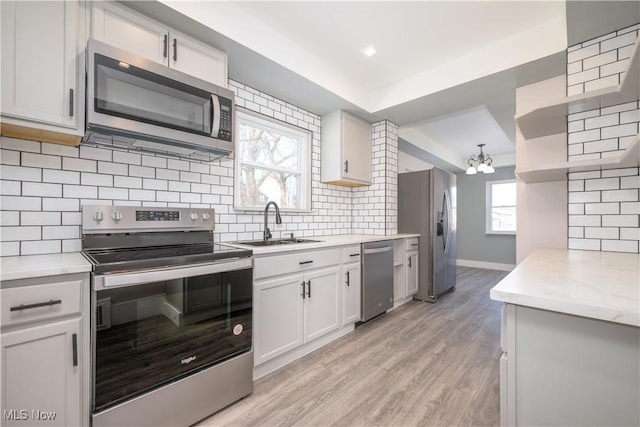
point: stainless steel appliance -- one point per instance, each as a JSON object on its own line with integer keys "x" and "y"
{"x": 171, "y": 316}
{"x": 377, "y": 278}
{"x": 137, "y": 104}
{"x": 427, "y": 205}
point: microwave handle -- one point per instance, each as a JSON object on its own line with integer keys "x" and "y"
{"x": 215, "y": 117}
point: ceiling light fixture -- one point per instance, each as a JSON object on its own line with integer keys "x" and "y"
{"x": 369, "y": 51}
{"x": 484, "y": 163}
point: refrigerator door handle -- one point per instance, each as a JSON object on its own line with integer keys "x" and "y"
{"x": 447, "y": 208}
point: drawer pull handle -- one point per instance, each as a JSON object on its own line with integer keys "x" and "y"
{"x": 414, "y": 244}
{"x": 305, "y": 262}
{"x": 36, "y": 305}
{"x": 309, "y": 288}
{"x": 303, "y": 289}
{"x": 354, "y": 254}
{"x": 348, "y": 279}
{"x": 74, "y": 339}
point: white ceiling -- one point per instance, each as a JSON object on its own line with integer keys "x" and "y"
{"x": 445, "y": 71}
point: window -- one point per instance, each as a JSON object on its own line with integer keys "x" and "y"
{"x": 501, "y": 207}
{"x": 273, "y": 163}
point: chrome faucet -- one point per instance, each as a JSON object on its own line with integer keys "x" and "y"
{"x": 267, "y": 232}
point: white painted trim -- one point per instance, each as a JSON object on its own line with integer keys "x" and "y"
{"x": 486, "y": 265}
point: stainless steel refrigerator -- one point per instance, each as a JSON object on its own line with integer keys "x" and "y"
{"x": 427, "y": 205}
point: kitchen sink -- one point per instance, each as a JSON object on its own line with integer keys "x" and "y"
{"x": 274, "y": 242}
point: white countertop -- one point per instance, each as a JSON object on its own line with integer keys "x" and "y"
{"x": 598, "y": 285}
{"x": 30, "y": 266}
{"x": 322, "y": 242}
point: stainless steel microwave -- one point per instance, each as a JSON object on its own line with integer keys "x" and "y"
{"x": 137, "y": 104}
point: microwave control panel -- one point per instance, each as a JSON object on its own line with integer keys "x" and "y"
{"x": 226, "y": 119}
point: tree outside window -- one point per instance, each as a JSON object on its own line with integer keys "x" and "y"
{"x": 273, "y": 163}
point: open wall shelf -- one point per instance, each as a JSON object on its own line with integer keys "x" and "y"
{"x": 551, "y": 117}
{"x": 558, "y": 171}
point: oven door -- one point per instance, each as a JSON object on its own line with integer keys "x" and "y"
{"x": 155, "y": 327}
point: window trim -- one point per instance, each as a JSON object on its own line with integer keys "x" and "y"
{"x": 283, "y": 128}
{"x": 489, "y": 207}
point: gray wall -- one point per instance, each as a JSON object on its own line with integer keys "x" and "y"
{"x": 473, "y": 243}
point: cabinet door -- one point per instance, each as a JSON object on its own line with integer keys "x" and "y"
{"x": 321, "y": 312}
{"x": 277, "y": 316}
{"x": 351, "y": 293}
{"x": 412, "y": 273}
{"x": 40, "y": 382}
{"x": 128, "y": 30}
{"x": 40, "y": 54}
{"x": 197, "y": 59}
{"x": 356, "y": 148}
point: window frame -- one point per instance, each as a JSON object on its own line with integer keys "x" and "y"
{"x": 305, "y": 147}
{"x": 489, "y": 207}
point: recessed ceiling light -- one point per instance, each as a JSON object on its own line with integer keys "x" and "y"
{"x": 369, "y": 51}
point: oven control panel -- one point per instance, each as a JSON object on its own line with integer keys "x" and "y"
{"x": 119, "y": 219}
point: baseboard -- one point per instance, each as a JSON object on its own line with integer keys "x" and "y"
{"x": 487, "y": 265}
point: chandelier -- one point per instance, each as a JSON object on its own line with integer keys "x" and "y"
{"x": 484, "y": 163}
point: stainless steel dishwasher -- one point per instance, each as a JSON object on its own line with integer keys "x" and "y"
{"x": 377, "y": 278}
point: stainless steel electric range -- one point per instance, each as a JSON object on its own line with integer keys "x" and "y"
{"x": 171, "y": 316}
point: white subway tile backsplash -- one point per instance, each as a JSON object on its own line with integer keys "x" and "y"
{"x": 61, "y": 177}
{"x": 71, "y": 218}
{"x": 127, "y": 182}
{"x": 602, "y": 121}
{"x": 10, "y": 188}
{"x": 601, "y": 233}
{"x": 583, "y": 76}
{"x": 92, "y": 153}
{"x": 576, "y": 209}
{"x": 619, "y": 172}
{"x": 614, "y": 68}
{"x": 628, "y": 129}
{"x": 154, "y": 162}
{"x": 585, "y": 221}
{"x": 126, "y": 157}
{"x": 60, "y": 205}
{"x": 60, "y": 150}
{"x": 601, "y": 83}
{"x": 587, "y": 135}
{"x": 620, "y": 221}
{"x": 81, "y": 165}
{"x": 60, "y": 232}
{"x": 21, "y": 203}
{"x": 602, "y": 208}
{"x": 20, "y": 173}
{"x": 585, "y": 244}
{"x": 576, "y": 232}
{"x": 584, "y": 197}
{"x": 618, "y": 42}
{"x": 9, "y": 157}
{"x": 601, "y": 146}
{"x": 629, "y": 195}
{"x": 9, "y": 248}
{"x": 582, "y": 53}
{"x": 21, "y": 233}
{"x": 601, "y": 59}
{"x": 79, "y": 191}
{"x": 142, "y": 195}
{"x": 154, "y": 184}
{"x": 630, "y": 116}
{"x": 71, "y": 245}
{"x": 630, "y": 182}
{"x": 628, "y": 246}
{"x": 19, "y": 145}
{"x": 41, "y": 189}
{"x": 96, "y": 179}
{"x": 630, "y": 208}
{"x": 142, "y": 171}
{"x": 40, "y": 247}
{"x": 619, "y": 108}
{"x": 108, "y": 193}
{"x": 110, "y": 168}
{"x": 630, "y": 233}
{"x": 40, "y": 218}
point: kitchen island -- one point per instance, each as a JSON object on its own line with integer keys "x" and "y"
{"x": 571, "y": 339}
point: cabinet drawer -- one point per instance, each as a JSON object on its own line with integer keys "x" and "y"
{"x": 351, "y": 254}
{"x": 37, "y": 302}
{"x": 412, "y": 244}
{"x": 294, "y": 262}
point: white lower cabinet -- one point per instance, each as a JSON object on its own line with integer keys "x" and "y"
{"x": 295, "y": 308}
{"x": 45, "y": 351}
{"x": 41, "y": 379}
{"x": 412, "y": 272}
{"x": 352, "y": 284}
{"x": 565, "y": 370}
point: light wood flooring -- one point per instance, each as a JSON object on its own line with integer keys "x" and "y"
{"x": 421, "y": 364}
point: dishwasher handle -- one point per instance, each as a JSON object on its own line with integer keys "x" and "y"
{"x": 377, "y": 250}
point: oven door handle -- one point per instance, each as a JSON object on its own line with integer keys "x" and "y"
{"x": 132, "y": 278}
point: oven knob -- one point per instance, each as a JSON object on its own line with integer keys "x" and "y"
{"x": 206, "y": 216}
{"x": 98, "y": 216}
{"x": 194, "y": 216}
{"x": 116, "y": 215}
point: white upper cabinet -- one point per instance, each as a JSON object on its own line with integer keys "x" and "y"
{"x": 346, "y": 150}
{"x": 42, "y": 70}
{"x": 129, "y": 30}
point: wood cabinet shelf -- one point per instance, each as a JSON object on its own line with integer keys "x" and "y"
{"x": 551, "y": 117}
{"x": 558, "y": 171}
